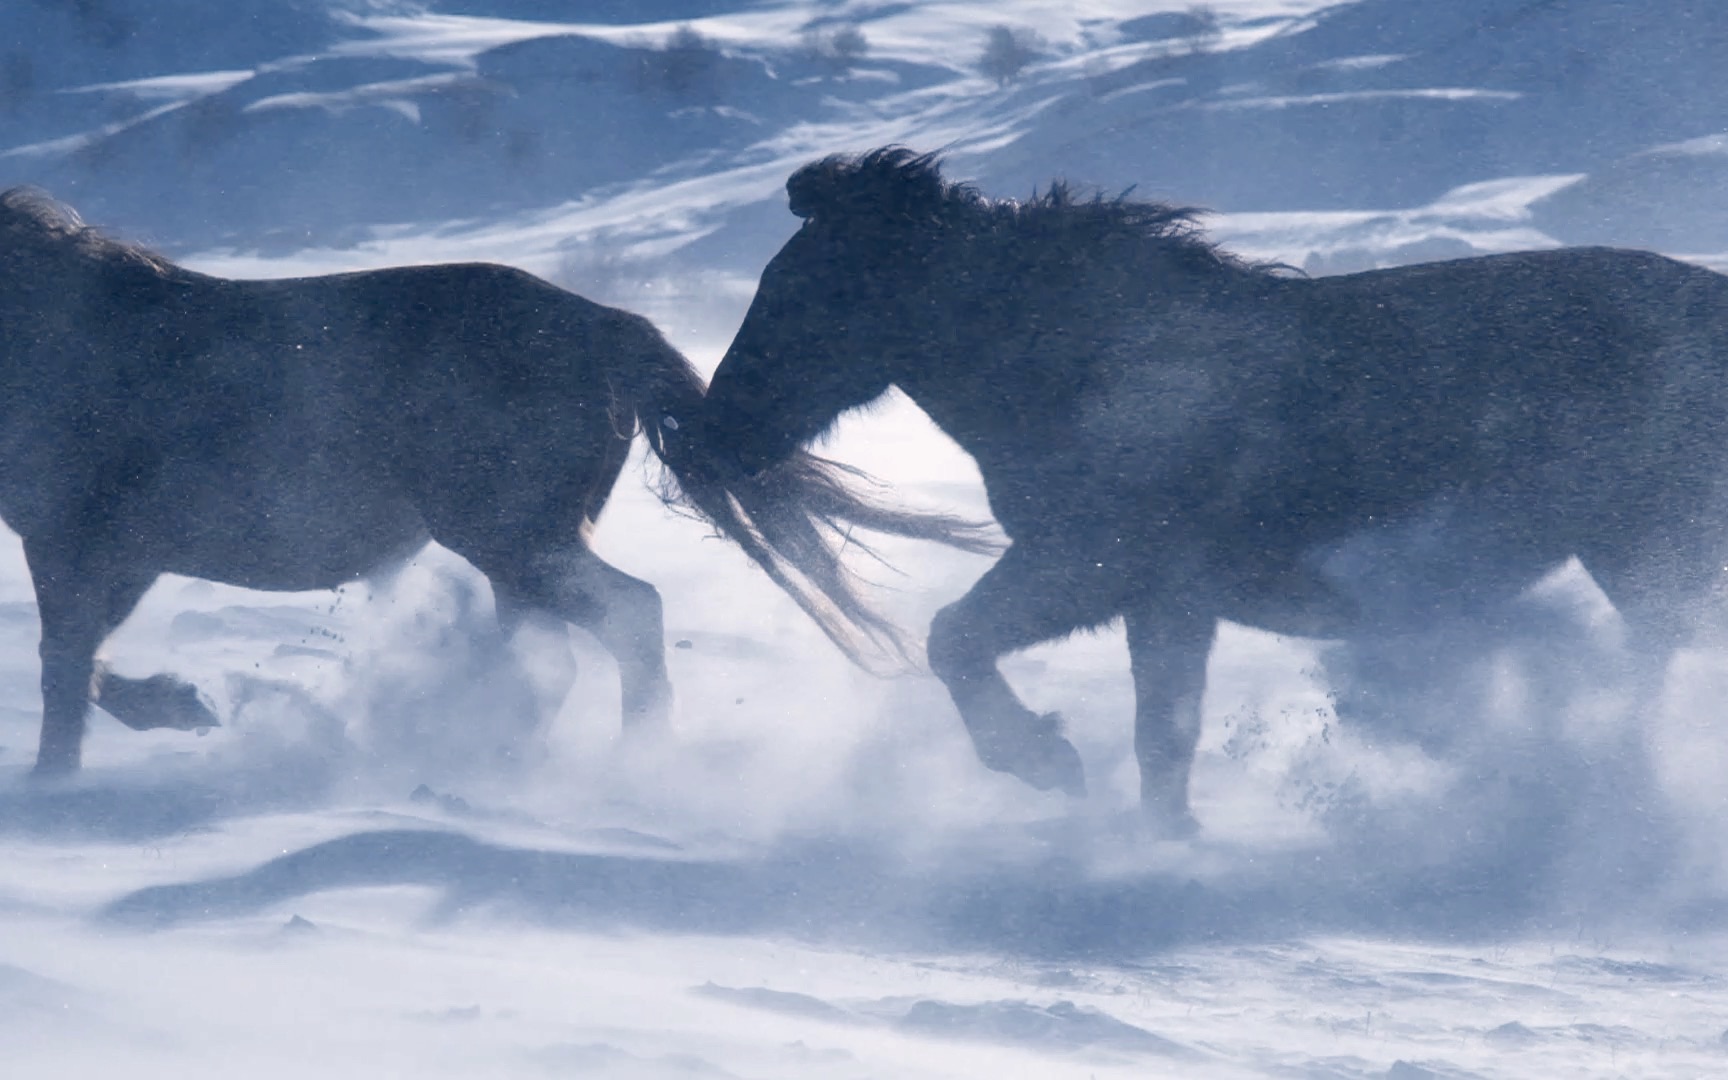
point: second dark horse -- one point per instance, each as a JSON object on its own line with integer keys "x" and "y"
{"x": 1172, "y": 436}
{"x": 297, "y": 434}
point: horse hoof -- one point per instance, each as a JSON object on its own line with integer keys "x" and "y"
{"x": 48, "y": 770}
{"x": 1051, "y": 762}
{"x": 1034, "y": 752}
{"x": 160, "y": 701}
{"x": 190, "y": 710}
{"x": 643, "y": 731}
{"x": 1162, "y": 823}
{"x": 1179, "y": 827}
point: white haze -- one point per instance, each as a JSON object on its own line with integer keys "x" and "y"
{"x": 379, "y": 866}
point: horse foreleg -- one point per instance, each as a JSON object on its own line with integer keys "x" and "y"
{"x": 1021, "y": 601}
{"x": 1168, "y": 652}
{"x": 80, "y": 601}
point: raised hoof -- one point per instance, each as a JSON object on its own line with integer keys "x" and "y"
{"x": 1040, "y": 757}
{"x": 161, "y": 701}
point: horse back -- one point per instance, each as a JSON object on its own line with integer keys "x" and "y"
{"x": 1569, "y": 308}
{"x": 334, "y": 416}
{"x": 1297, "y": 406}
{"x": 1534, "y": 332}
{"x": 1533, "y": 373}
{"x": 500, "y": 404}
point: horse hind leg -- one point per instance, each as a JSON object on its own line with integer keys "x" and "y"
{"x": 623, "y": 613}
{"x": 518, "y": 623}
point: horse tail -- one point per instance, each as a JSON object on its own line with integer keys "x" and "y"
{"x": 794, "y": 520}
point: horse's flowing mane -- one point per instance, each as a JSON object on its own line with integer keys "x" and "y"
{"x": 906, "y": 186}
{"x": 34, "y": 220}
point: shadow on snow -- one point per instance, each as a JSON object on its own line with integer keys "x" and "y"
{"x": 1048, "y": 906}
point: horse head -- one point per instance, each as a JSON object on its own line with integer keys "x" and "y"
{"x": 829, "y": 326}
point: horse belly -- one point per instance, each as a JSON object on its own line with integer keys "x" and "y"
{"x": 1446, "y": 559}
{"x": 285, "y": 526}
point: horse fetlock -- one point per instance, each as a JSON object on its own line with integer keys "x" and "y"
{"x": 1164, "y": 801}
{"x": 648, "y": 712}
{"x": 1164, "y": 822}
{"x": 58, "y": 755}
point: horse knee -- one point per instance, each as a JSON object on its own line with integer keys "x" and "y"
{"x": 68, "y": 668}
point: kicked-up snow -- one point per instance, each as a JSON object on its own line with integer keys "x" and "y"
{"x": 380, "y": 866}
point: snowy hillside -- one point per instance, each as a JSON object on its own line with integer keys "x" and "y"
{"x": 377, "y": 866}
{"x": 278, "y": 124}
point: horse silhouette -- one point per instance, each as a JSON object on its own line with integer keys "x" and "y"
{"x": 297, "y": 434}
{"x": 1173, "y": 436}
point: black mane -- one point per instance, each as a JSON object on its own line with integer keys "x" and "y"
{"x": 907, "y": 186}
{"x": 33, "y": 219}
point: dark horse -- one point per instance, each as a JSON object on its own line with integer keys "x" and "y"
{"x": 1173, "y": 436}
{"x": 297, "y": 434}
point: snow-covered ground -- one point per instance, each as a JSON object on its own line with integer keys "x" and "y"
{"x": 379, "y": 867}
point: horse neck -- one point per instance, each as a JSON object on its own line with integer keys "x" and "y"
{"x": 985, "y": 367}
{"x": 37, "y": 282}
{"x": 1008, "y": 354}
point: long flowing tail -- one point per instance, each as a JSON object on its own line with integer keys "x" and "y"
{"x": 794, "y": 520}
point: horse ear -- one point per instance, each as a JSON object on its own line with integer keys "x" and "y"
{"x": 815, "y": 189}
{"x": 892, "y": 183}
